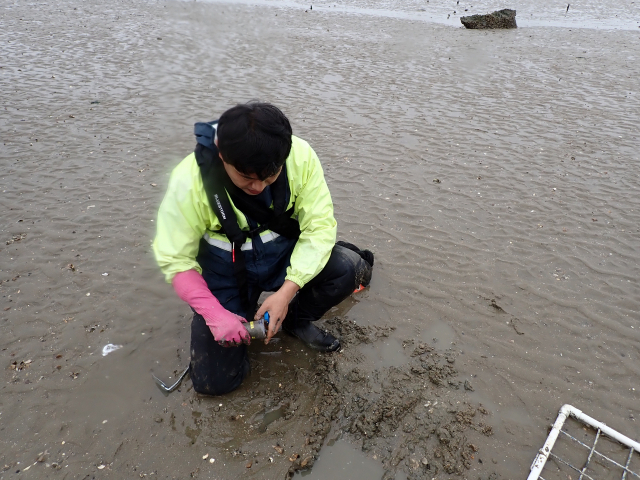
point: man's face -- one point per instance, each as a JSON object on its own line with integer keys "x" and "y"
{"x": 249, "y": 184}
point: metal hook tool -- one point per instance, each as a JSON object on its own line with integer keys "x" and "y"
{"x": 168, "y": 389}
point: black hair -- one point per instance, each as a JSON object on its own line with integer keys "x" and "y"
{"x": 255, "y": 138}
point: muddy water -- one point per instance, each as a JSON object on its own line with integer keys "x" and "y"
{"x": 495, "y": 175}
{"x": 591, "y": 14}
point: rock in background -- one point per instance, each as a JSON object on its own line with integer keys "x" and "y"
{"x": 499, "y": 19}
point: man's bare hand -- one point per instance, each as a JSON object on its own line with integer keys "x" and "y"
{"x": 277, "y": 305}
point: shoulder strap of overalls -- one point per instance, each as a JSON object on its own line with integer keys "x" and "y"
{"x": 217, "y": 195}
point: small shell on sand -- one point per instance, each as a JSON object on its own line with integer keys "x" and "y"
{"x": 110, "y": 347}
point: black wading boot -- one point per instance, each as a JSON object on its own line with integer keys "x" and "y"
{"x": 311, "y": 335}
{"x": 306, "y": 331}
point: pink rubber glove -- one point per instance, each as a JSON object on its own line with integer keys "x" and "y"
{"x": 226, "y": 327}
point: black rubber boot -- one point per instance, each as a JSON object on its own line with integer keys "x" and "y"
{"x": 306, "y": 331}
{"x": 311, "y": 335}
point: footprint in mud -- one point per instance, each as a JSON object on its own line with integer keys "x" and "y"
{"x": 267, "y": 417}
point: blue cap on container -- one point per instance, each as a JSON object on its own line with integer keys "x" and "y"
{"x": 266, "y": 317}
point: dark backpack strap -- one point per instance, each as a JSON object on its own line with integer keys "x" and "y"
{"x": 217, "y": 195}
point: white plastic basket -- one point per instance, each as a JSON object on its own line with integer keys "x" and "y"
{"x": 601, "y": 429}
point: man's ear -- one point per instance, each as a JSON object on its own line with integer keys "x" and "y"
{"x": 215, "y": 141}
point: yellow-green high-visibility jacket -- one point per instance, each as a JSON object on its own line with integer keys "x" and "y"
{"x": 185, "y": 216}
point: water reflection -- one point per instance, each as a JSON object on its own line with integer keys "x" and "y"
{"x": 339, "y": 459}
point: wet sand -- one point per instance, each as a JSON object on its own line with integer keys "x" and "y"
{"x": 494, "y": 174}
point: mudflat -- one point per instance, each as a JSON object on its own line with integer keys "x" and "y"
{"x": 495, "y": 175}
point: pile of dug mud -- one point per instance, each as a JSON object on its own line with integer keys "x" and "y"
{"x": 413, "y": 418}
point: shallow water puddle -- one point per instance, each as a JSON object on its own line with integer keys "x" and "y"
{"x": 339, "y": 459}
{"x": 590, "y": 14}
{"x": 267, "y": 417}
{"x": 437, "y": 331}
{"x": 386, "y": 353}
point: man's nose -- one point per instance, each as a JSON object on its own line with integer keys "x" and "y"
{"x": 258, "y": 186}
